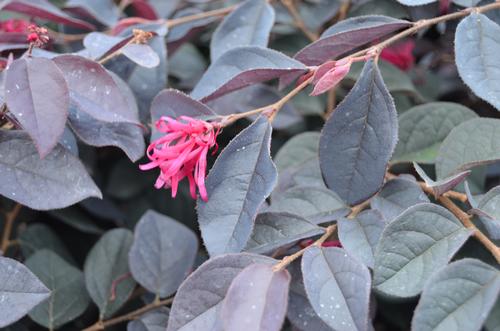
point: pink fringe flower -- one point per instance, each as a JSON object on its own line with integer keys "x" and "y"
{"x": 182, "y": 152}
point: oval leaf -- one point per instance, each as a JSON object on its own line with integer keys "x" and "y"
{"x": 477, "y": 43}
{"x": 106, "y": 269}
{"x": 162, "y": 254}
{"x": 458, "y": 297}
{"x": 276, "y": 229}
{"x": 256, "y": 300}
{"x": 338, "y": 287}
{"x": 347, "y": 35}
{"x": 357, "y": 141}
{"x": 198, "y": 301}
{"x": 248, "y": 25}
{"x": 155, "y": 320}
{"x": 396, "y": 196}
{"x": 68, "y": 298}
{"x": 143, "y": 55}
{"x": 423, "y": 128}
{"x": 241, "y": 179}
{"x": 37, "y": 95}
{"x": 94, "y": 91}
{"x": 472, "y": 143}
{"x": 359, "y": 236}
{"x": 413, "y": 246}
{"x": 20, "y": 291}
{"x": 241, "y": 67}
{"x": 44, "y": 9}
{"x": 57, "y": 181}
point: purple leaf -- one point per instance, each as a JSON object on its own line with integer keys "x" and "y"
{"x": 143, "y": 55}
{"x": 46, "y": 10}
{"x": 348, "y": 35}
{"x": 98, "y": 44}
{"x": 93, "y": 90}
{"x": 126, "y": 136}
{"x": 357, "y": 141}
{"x": 198, "y": 300}
{"x": 241, "y": 67}
{"x": 104, "y": 11}
{"x": 248, "y": 25}
{"x": 256, "y": 300}
{"x": 442, "y": 186}
{"x": 57, "y": 181}
{"x": 183, "y": 32}
{"x": 338, "y": 287}
{"x": 241, "y": 179}
{"x": 20, "y": 291}
{"x": 37, "y": 95}
{"x": 174, "y": 103}
{"x": 331, "y": 78}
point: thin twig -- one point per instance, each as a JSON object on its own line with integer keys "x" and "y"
{"x": 186, "y": 19}
{"x": 101, "y": 325}
{"x": 298, "y": 21}
{"x": 10, "y": 217}
{"x": 466, "y": 221}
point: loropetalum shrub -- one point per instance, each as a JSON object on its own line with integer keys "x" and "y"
{"x": 250, "y": 165}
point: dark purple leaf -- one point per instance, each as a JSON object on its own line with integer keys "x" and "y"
{"x": 338, "y": 287}
{"x": 348, "y": 35}
{"x": 57, "y": 181}
{"x": 44, "y": 9}
{"x": 162, "y": 254}
{"x": 104, "y": 11}
{"x": 357, "y": 141}
{"x": 241, "y": 179}
{"x": 253, "y": 97}
{"x": 141, "y": 54}
{"x": 174, "y": 103}
{"x": 94, "y": 91}
{"x": 396, "y": 196}
{"x": 256, "y": 300}
{"x": 442, "y": 186}
{"x": 20, "y": 291}
{"x": 248, "y": 25}
{"x": 37, "y": 94}
{"x": 359, "y": 236}
{"x": 126, "y": 136}
{"x": 198, "y": 301}
{"x": 273, "y": 230}
{"x": 241, "y": 67}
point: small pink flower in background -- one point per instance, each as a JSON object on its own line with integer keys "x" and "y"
{"x": 401, "y": 54}
{"x": 182, "y": 152}
{"x": 14, "y": 26}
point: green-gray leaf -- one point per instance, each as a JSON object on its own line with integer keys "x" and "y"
{"x": 68, "y": 299}
{"x": 39, "y": 236}
{"x": 477, "y": 43}
{"x": 413, "y": 246}
{"x": 472, "y": 143}
{"x": 298, "y": 150}
{"x": 423, "y": 128}
{"x": 106, "y": 263}
{"x": 458, "y": 297}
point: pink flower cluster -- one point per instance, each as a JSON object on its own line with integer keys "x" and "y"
{"x": 38, "y": 35}
{"x": 182, "y": 152}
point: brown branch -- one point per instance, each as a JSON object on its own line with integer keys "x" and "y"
{"x": 298, "y": 21}
{"x": 186, "y": 19}
{"x": 101, "y": 325}
{"x": 466, "y": 221}
{"x": 10, "y": 217}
